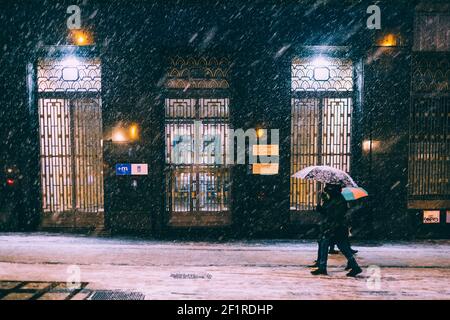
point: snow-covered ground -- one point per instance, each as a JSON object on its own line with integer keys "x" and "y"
{"x": 231, "y": 270}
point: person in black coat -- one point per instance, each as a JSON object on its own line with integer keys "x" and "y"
{"x": 334, "y": 229}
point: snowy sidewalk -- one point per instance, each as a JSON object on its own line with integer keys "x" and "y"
{"x": 232, "y": 270}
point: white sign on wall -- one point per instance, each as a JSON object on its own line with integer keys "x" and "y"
{"x": 139, "y": 169}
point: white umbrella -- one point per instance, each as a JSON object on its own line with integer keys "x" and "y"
{"x": 326, "y": 174}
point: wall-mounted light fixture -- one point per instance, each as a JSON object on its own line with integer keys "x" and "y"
{"x": 260, "y": 133}
{"x": 371, "y": 145}
{"x": 133, "y": 132}
{"x": 118, "y": 135}
{"x": 80, "y": 37}
{"x": 389, "y": 40}
{"x": 123, "y": 133}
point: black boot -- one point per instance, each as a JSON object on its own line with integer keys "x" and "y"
{"x": 319, "y": 271}
{"x": 354, "y": 271}
{"x": 348, "y": 267}
{"x": 314, "y": 265}
{"x": 353, "y": 251}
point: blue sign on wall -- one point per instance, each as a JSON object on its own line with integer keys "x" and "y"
{"x": 123, "y": 169}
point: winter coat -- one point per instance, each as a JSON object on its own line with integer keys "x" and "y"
{"x": 333, "y": 222}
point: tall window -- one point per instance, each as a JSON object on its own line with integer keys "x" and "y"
{"x": 70, "y": 128}
{"x": 432, "y": 31}
{"x": 321, "y": 113}
{"x": 429, "y": 121}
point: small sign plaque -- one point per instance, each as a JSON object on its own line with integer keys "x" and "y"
{"x": 431, "y": 216}
{"x": 139, "y": 169}
{"x": 123, "y": 169}
{"x": 131, "y": 169}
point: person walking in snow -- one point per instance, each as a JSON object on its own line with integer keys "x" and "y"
{"x": 333, "y": 228}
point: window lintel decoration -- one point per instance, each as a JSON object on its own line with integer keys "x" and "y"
{"x": 198, "y": 73}
{"x": 431, "y": 73}
{"x": 69, "y": 74}
{"x": 321, "y": 74}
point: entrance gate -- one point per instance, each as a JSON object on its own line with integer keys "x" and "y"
{"x": 196, "y": 133}
{"x": 321, "y": 115}
{"x": 70, "y": 134}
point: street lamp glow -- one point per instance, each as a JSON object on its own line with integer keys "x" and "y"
{"x": 118, "y": 136}
{"x": 134, "y": 132}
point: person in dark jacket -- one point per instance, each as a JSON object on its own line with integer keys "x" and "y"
{"x": 333, "y": 228}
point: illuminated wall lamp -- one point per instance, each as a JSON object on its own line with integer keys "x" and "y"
{"x": 133, "y": 132}
{"x": 371, "y": 145}
{"x": 81, "y": 37}
{"x": 260, "y": 133}
{"x": 389, "y": 40}
{"x": 122, "y": 135}
{"x": 119, "y": 136}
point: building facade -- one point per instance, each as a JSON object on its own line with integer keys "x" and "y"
{"x": 126, "y": 126}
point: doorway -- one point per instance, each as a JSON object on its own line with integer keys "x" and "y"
{"x": 197, "y": 176}
{"x": 70, "y": 136}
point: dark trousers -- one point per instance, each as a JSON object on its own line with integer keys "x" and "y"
{"x": 343, "y": 245}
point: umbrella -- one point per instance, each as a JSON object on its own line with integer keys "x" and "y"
{"x": 351, "y": 193}
{"x": 326, "y": 174}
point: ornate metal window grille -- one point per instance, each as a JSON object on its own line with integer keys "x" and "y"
{"x": 69, "y": 75}
{"x": 321, "y": 74}
{"x": 320, "y": 127}
{"x": 56, "y": 154}
{"x": 430, "y": 73}
{"x": 70, "y": 129}
{"x": 196, "y": 133}
{"x": 432, "y": 31}
{"x": 429, "y": 137}
{"x": 198, "y": 73}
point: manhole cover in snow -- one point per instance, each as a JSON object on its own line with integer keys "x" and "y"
{"x": 116, "y": 295}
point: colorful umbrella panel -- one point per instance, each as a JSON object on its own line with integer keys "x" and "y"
{"x": 351, "y": 193}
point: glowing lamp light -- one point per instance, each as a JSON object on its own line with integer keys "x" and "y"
{"x": 389, "y": 40}
{"x": 320, "y": 61}
{"x": 10, "y": 182}
{"x": 321, "y": 68}
{"x": 133, "y": 132}
{"x": 260, "y": 132}
{"x": 119, "y": 136}
{"x": 70, "y": 61}
{"x": 70, "y": 68}
{"x": 370, "y": 145}
{"x": 81, "y": 38}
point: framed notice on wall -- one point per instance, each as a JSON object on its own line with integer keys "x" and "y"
{"x": 431, "y": 216}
